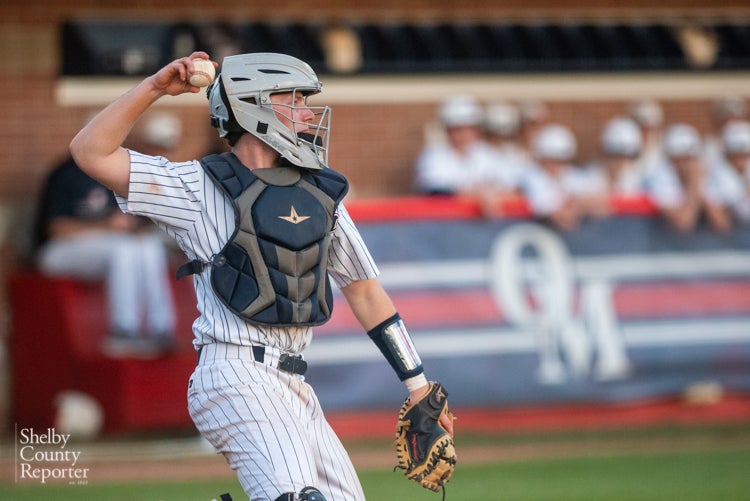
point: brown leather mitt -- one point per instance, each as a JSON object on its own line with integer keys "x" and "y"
{"x": 425, "y": 450}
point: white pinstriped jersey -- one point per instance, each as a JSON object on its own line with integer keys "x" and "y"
{"x": 185, "y": 203}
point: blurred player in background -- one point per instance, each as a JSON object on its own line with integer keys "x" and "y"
{"x": 508, "y": 161}
{"x": 459, "y": 161}
{"x": 81, "y": 233}
{"x": 649, "y": 116}
{"x": 731, "y": 172}
{"x": 557, "y": 190}
{"x": 534, "y": 115}
{"x": 724, "y": 111}
{"x": 681, "y": 185}
{"x": 502, "y": 127}
{"x": 616, "y": 171}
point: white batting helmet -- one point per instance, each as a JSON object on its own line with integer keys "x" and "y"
{"x": 239, "y": 100}
{"x": 554, "y": 142}
{"x": 502, "y": 118}
{"x": 735, "y": 137}
{"x": 647, "y": 113}
{"x": 682, "y": 140}
{"x": 460, "y": 110}
{"x": 621, "y": 136}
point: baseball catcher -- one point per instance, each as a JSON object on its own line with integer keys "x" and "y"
{"x": 424, "y": 447}
{"x": 267, "y": 237}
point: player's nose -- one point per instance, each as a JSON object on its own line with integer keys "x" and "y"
{"x": 307, "y": 115}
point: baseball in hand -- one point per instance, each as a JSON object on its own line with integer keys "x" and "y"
{"x": 203, "y": 72}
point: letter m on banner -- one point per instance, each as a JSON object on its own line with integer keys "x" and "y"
{"x": 533, "y": 281}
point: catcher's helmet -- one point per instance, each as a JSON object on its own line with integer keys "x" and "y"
{"x": 239, "y": 100}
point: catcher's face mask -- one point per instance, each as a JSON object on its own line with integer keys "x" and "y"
{"x": 245, "y": 97}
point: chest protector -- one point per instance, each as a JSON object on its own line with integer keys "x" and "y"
{"x": 272, "y": 271}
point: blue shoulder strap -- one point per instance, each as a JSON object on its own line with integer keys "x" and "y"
{"x": 229, "y": 174}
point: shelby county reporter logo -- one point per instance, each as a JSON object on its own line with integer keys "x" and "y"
{"x": 42, "y": 456}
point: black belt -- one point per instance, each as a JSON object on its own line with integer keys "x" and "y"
{"x": 294, "y": 364}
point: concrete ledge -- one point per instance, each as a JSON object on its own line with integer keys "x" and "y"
{"x": 584, "y": 87}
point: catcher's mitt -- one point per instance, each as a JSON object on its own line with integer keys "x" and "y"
{"x": 424, "y": 448}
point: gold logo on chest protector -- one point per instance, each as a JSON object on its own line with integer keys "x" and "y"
{"x": 293, "y": 217}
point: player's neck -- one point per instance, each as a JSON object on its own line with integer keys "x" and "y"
{"x": 254, "y": 153}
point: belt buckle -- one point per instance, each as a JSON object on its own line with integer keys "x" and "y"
{"x": 292, "y": 363}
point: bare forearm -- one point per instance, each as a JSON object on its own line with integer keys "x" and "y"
{"x": 106, "y": 132}
{"x": 369, "y": 302}
{"x": 373, "y": 307}
{"x": 64, "y": 227}
{"x": 97, "y": 148}
{"x": 68, "y": 227}
{"x": 566, "y": 217}
{"x": 718, "y": 218}
{"x": 683, "y": 217}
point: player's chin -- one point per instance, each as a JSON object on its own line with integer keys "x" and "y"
{"x": 310, "y": 138}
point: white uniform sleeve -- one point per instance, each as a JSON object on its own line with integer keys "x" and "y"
{"x": 349, "y": 259}
{"x": 664, "y": 187}
{"x": 166, "y": 192}
{"x": 584, "y": 181}
{"x": 182, "y": 201}
{"x": 723, "y": 185}
{"x": 438, "y": 170}
{"x": 542, "y": 193}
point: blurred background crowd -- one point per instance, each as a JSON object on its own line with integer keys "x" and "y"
{"x": 491, "y": 151}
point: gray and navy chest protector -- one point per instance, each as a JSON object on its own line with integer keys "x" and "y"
{"x": 272, "y": 271}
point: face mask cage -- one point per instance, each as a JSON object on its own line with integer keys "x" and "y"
{"x": 313, "y": 133}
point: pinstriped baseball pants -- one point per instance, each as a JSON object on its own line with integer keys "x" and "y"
{"x": 269, "y": 426}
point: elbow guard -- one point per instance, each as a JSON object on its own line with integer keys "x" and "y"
{"x": 394, "y": 342}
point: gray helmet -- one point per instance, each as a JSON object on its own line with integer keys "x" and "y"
{"x": 239, "y": 100}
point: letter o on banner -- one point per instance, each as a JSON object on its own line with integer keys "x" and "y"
{"x": 531, "y": 260}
